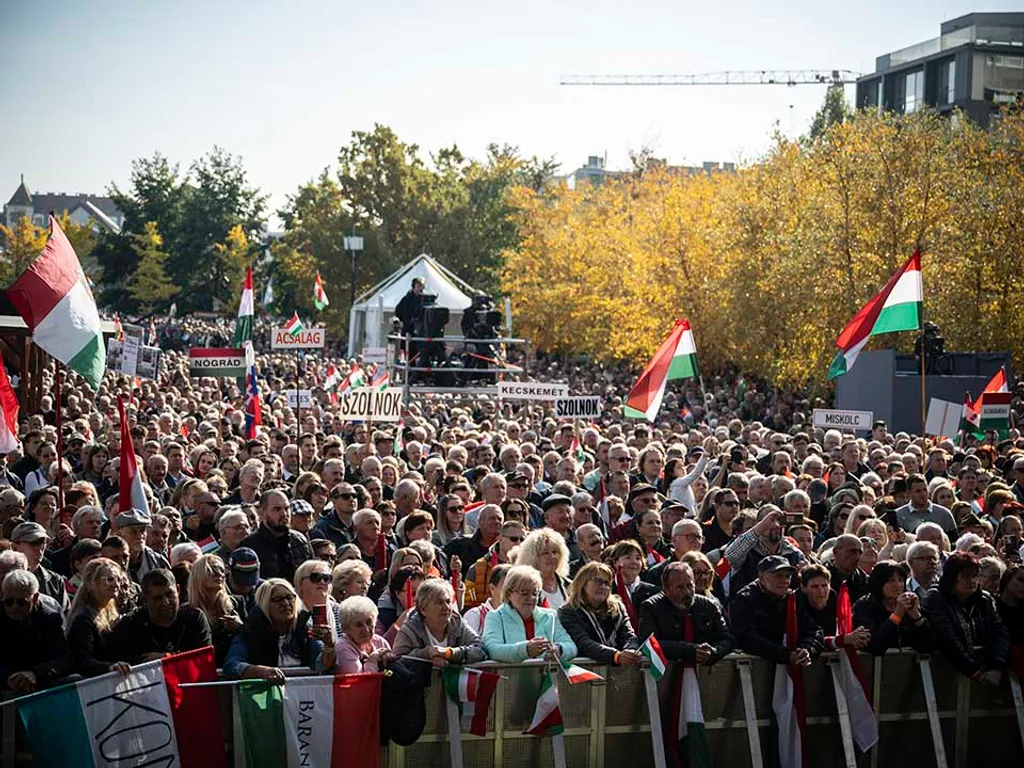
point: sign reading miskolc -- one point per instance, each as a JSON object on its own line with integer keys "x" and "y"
{"x": 308, "y": 338}
{"x": 854, "y": 420}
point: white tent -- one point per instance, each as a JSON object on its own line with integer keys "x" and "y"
{"x": 370, "y": 317}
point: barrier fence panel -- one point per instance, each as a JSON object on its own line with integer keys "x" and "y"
{"x": 608, "y": 722}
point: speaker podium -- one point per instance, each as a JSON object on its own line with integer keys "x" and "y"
{"x": 889, "y": 384}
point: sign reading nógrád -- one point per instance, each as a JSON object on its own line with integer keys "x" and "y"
{"x": 366, "y": 404}
{"x": 216, "y": 361}
{"x": 308, "y": 338}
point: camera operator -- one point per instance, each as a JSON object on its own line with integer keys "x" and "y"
{"x": 411, "y": 305}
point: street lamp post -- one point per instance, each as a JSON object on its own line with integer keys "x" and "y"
{"x": 353, "y": 245}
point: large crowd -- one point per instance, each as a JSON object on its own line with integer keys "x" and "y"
{"x": 477, "y": 529}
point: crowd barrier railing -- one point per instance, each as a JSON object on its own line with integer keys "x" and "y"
{"x": 927, "y": 714}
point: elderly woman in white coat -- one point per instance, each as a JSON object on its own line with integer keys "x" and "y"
{"x": 519, "y": 629}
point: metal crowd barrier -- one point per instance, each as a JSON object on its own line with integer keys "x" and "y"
{"x": 928, "y": 714}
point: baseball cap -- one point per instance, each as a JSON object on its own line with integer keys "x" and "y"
{"x": 553, "y": 499}
{"x": 12, "y": 497}
{"x": 774, "y": 564}
{"x": 131, "y": 517}
{"x": 638, "y": 489}
{"x": 244, "y": 565}
{"x": 300, "y": 507}
{"x": 28, "y": 532}
{"x": 695, "y": 450}
{"x": 673, "y": 504}
{"x": 514, "y": 477}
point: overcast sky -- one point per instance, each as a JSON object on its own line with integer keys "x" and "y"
{"x": 88, "y": 86}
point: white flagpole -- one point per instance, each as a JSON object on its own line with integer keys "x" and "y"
{"x": 454, "y": 733}
{"x": 654, "y": 711}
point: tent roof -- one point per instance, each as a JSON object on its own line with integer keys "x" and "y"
{"x": 452, "y": 292}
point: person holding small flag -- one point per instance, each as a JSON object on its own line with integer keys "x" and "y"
{"x": 520, "y": 629}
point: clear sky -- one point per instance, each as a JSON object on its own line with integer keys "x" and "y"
{"x": 88, "y": 86}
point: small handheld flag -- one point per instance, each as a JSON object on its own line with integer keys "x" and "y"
{"x": 651, "y": 649}
{"x": 319, "y": 295}
{"x": 294, "y": 326}
{"x": 243, "y": 325}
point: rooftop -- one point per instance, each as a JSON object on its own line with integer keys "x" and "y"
{"x": 1001, "y": 29}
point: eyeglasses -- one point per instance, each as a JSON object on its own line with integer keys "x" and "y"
{"x": 701, "y": 572}
{"x": 601, "y": 582}
{"x": 345, "y": 496}
{"x": 618, "y": 458}
{"x": 21, "y": 602}
{"x": 283, "y": 599}
{"x": 318, "y": 577}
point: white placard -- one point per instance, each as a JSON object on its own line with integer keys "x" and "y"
{"x": 129, "y": 355}
{"x": 531, "y": 390}
{"x": 854, "y": 420}
{"x": 943, "y": 417}
{"x": 364, "y": 404}
{"x": 309, "y": 338}
{"x": 378, "y": 355}
{"x": 579, "y": 408}
{"x": 305, "y": 398}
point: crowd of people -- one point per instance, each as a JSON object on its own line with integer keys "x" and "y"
{"x": 480, "y": 530}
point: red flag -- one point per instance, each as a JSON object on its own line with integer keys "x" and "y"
{"x": 382, "y": 553}
{"x": 623, "y": 593}
{"x": 130, "y": 491}
{"x": 9, "y": 423}
{"x": 196, "y": 711}
{"x": 357, "y": 732}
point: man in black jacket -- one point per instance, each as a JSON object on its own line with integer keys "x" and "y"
{"x": 469, "y": 549}
{"x": 758, "y": 616}
{"x": 33, "y": 650}
{"x": 843, "y": 569}
{"x": 160, "y": 626}
{"x": 689, "y": 627}
{"x": 280, "y": 549}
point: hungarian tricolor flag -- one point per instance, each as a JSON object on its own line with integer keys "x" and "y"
{"x": 118, "y": 330}
{"x": 577, "y": 674}
{"x": 472, "y": 690}
{"x": 380, "y": 379}
{"x": 788, "y": 698}
{"x": 253, "y": 412}
{"x": 308, "y": 721}
{"x": 970, "y": 420}
{"x": 294, "y": 326}
{"x": 319, "y": 295}
{"x": 676, "y": 358}
{"x": 851, "y": 679}
{"x": 53, "y": 298}
{"x": 897, "y": 308}
{"x": 688, "y": 722}
{"x": 651, "y": 649}
{"x": 354, "y": 379}
{"x": 547, "y": 717}
{"x": 576, "y": 449}
{"x": 9, "y": 406}
{"x": 130, "y": 490}
{"x": 996, "y": 384}
{"x": 243, "y": 325}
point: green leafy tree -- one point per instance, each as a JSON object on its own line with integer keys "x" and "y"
{"x": 19, "y": 247}
{"x": 149, "y": 285}
{"x": 834, "y": 111}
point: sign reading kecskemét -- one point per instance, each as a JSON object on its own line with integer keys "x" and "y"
{"x": 307, "y": 338}
{"x": 531, "y": 390}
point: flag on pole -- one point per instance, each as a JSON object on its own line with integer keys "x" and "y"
{"x": 152, "y": 332}
{"x": 472, "y": 690}
{"x": 142, "y": 718}
{"x": 253, "y": 412}
{"x": 354, "y": 379}
{"x": 9, "y": 422}
{"x": 381, "y": 379}
{"x": 788, "y": 699}
{"x": 294, "y": 326}
{"x": 118, "y": 330}
{"x": 310, "y": 721}
{"x": 576, "y": 449}
{"x": 652, "y": 650}
{"x": 319, "y": 295}
{"x": 577, "y": 674}
{"x": 897, "y": 308}
{"x": 970, "y": 420}
{"x": 689, "y": 721}
{"x": 53, "y": 298}
{"x": 676, "y": 358}
{"x": 130, "y": 490}
{"x": 243, "y": 325}
{"x": 851, "y": 679}
{"x": 547, "y": 717}
{"x": 996, "y": 384}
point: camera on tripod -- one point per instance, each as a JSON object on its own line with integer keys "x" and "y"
{"x": 431, "y": 319}
{"x": 481, "y": 319}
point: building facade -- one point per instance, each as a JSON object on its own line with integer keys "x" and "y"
{"x": 975, "y": 65}
{"x": 80, "y": 208}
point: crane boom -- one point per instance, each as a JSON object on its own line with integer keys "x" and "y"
{"x": 790, "y": 77}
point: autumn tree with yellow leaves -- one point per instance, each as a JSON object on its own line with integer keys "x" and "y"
{"x": 771, "y": 262}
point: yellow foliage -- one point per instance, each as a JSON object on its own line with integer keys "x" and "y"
{"x": 771, "y": 262}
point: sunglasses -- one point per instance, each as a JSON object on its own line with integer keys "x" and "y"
{"x": 21, "y": 602}
{"x": 454, "y": 508}
{"x": 515, "y": 539}
{"x": 318, "y": 577}
{"x": 346, "y": 496}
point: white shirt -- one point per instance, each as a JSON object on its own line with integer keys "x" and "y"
{"x": 555, "y": 599}
{"x": 680, "y": 490}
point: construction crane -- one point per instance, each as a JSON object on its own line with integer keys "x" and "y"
{"x": 835, "y": 78}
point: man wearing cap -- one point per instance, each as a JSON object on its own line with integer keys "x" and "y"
{"x": 301, "y": 516}
{"x": 558, "y": 517}
{"x": 336, "y": 524}
{"x": 765, "y": 538}
{"x": 244, "y": 576}
{"x": 132, "y": 526}
{"x": 280, "y": 549}
{"x": 33, "y": 650}
{"x": 202, "y": 525}
{"x": 161, "y": 625}
{"x": 517, "y": 486}
{"x": 758, "y": 616}
{"x": 31, "y": 539}
{"x": 642, "y": 497}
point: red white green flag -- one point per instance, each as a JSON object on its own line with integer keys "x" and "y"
{"x": 319, "y": 295}
{"x": 547, "y": 717}
{"x": 243, "y": 325}
{"x": 472, "y": 690}
{"x": 676, "y": 358}
{"x": 577, "y": 674}
{"x": 294, "y": 326}
{"x": 130, "y": 489}
{"x": 996, "y": 384}
{"x": 897, "y": 308}
{"x": 651, "y": 649}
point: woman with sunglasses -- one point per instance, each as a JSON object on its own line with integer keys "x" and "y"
{"x": 276, "y": 637}
{"x": 836, "y": 523}
{"x": 208, "y": 591}
{"x": 451, "y": 520}
{"x": 596, "y": 619}
{"x": 313, "y": 581}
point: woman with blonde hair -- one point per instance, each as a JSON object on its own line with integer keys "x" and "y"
{"x": 208, "y": 591}
{"x": 859, "y": 514}
{"x": 92, "y": 615}
{"x": 435, "y": 631}
{"x": 350, "y": 578}
{"x": 313, "y": 583}
{"x": 703, "y": 574}
{"x": 596, "y": 619}
{"x": 545, "y": 550}
{"x": 521, "y": 629}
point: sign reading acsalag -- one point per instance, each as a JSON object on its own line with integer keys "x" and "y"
{"x": 216, "y": 361}
{"x": 855, "y": 420}
{"x": 578, "y": 408}
{"x": 531, "y": 390}
{"x": 308, "y": 338}
{"x": 365, "y": 403}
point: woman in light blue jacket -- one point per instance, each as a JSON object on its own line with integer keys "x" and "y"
{"x": 519, "y": 630}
